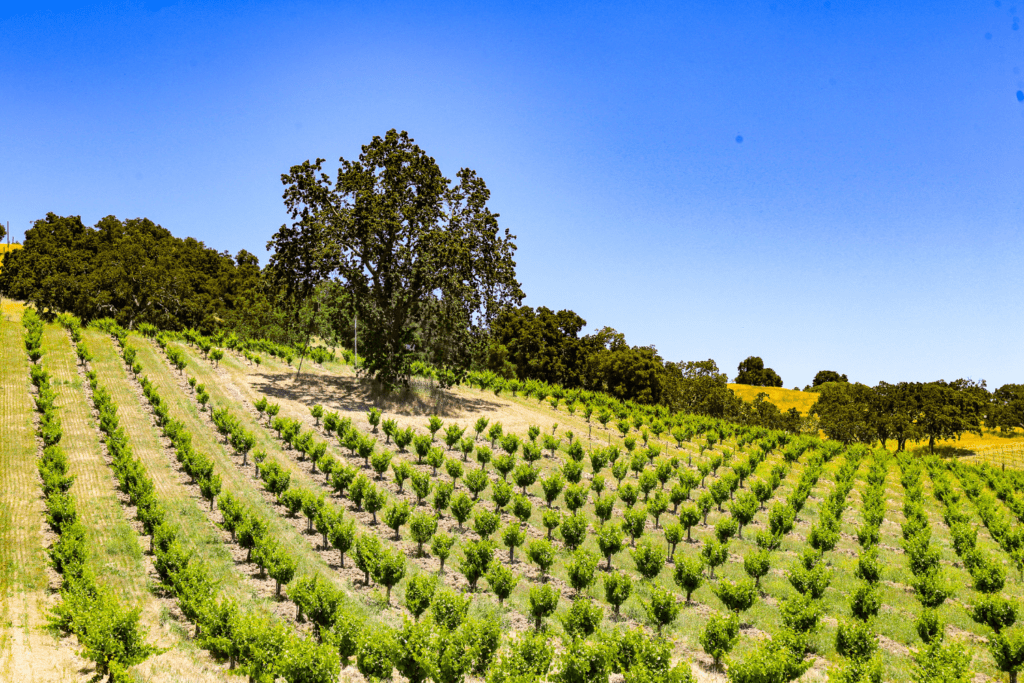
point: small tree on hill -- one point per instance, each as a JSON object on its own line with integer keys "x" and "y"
{"x": 617, "y": 589}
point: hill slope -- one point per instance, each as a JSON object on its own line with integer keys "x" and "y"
{"x": 784, "y": 399}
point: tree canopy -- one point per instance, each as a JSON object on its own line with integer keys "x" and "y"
{"x": 753, "y": 372}
{"x": 543, "y": 345}
{"x": 824, "y": 376}
{"x": 421, "y": 257}
{"x": 1007, "y": 411}
{"x": 133, "y": 271}
{"x": 907, "y": 411}
{"x": 699, "y": 387}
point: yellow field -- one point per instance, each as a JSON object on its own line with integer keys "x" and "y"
{"x": 784, "y": 399}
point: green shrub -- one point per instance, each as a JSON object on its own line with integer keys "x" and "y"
{"x": 865, "y": 601}
{"x": 929, "y": 626}
{"x": 936, "y": 662}
{"x": 649, "y": 557}
{"x": 714, "y": 554}
{"x": 662, "y": 608}
{"x": 389, "y": 569}
{"x": 441, "y": 547}
{"x": 719, "y": 636}
{"x": 543, "y": 601}
{"x": 930, "y": 589}
{"x": 502, "y": 581}
{"x": 582, "y": 618}
{"x": 376, "y": 653}
{"x": 581, "y": 570}
{"x": 368, "y": 552}
{"x": 476, "y": 559}
{"x": 688, "y": 574}
{"x": 856, "y": 640}
{"x": 109, "y": 631}
{"x": 756, "y": 564}
{"x": 800, "y": 613}
{"x": 588, "y": 661}
{"x": 1007, "y": 648}
{"x": 512, "y": 537}
{"x": 989, "y": 576}
{"x": 811, "y": 582}
{"x": 574, "y": 530}
{"x": 522, "y": 508}
{"x": 448, "y": 608}
{"x": 419, "y": 591}
{"x": 527, "y": 658}
{"x": 773, "y": 661}
{"x": 737, "y": 596}
{"x": 617, "y": 589}
{"x": 994, "y": 611}
{"x": 867, "y": 565}
{"x": 542, "y": 554}
{"x": 485, "y": 523}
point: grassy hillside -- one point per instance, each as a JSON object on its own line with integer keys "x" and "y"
{"x": 336, "y": 389}
{"x": 866, "y": 502}
{"x": 784, "y": 399}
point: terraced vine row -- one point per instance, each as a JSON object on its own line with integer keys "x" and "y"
{"x": 471, "y": 631}
{"x": 298, "y": 541}
{"x": 735, "y": 511}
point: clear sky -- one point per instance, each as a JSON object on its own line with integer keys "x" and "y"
{"x": 828, "y": 185}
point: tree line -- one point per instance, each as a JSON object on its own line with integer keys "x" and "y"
{"x": 916, "y": 411}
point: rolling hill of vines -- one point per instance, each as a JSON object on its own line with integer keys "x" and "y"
{"x": 172, "y": 509}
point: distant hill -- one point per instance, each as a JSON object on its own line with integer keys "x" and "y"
{"x": 784, "y": 399}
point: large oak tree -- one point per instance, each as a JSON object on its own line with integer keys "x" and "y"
{"x": 422, "y": 258}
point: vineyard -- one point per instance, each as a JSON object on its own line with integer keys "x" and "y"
{"x": 175, "y": 508}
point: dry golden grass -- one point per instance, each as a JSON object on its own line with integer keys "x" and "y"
{"x": 784, "y": 399}
{"x": 27, "y": 654}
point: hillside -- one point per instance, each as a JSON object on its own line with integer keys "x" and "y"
{"x": 279, "y": 494}
{"x": 784, "y": 399}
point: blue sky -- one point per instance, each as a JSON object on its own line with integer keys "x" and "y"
{"x": 828, "y": 185}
